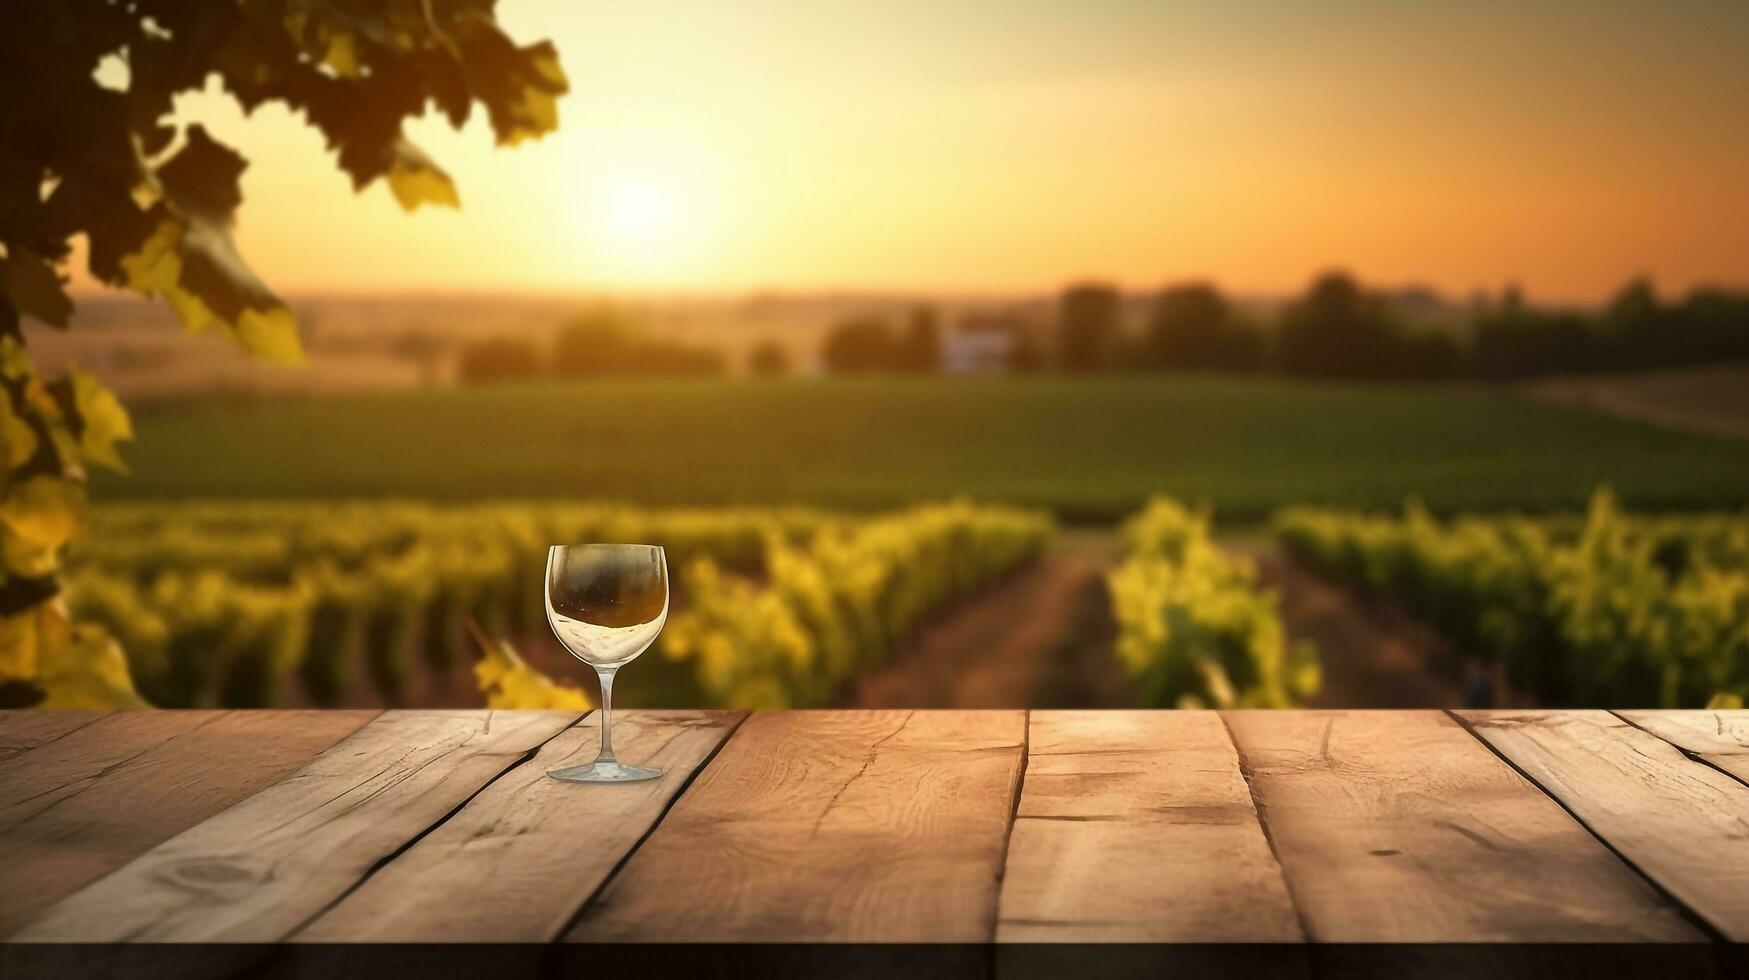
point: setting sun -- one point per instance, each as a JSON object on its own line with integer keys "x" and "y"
{"x": 641, "y": 214}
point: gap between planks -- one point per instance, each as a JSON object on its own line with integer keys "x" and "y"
{"x": 1693, "y": 917}
{"x": 1726, "y": 752}
{"x": 251, "y": 873}
{"x": 1395, "y": 826}
{"x": 1580, "y": 781}
{"x": 383, "y": 862}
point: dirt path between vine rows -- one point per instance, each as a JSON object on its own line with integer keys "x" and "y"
{"x": 1372, "y": 657}
{"x": 1041, "y": 638}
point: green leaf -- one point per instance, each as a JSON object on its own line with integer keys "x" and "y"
{"x": 18, "y": 646}
{"x": 44, "y": 511}
{"x": 415, "y": 179}
{"x": 510, "y": 683}
{"x": 33, "y": 286}
{"x": 18, "y": 441}
{"x": 80, "y": 667}
{"x": 192, "y": 264}
{"x": 205, "y": 177}
{"x": 98, "y": 419}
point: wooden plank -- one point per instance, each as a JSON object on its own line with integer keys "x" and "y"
{"x": 1137, "y": 827}
{"x": 1399, "y": 826}
{"x": 1719, "y": 737}
{"x": 23, "y": 729}
{"x": 62, "y": 766}
{"x": 57, "y": 841}
{"x": 814, "y": 826}
{"x": 529, "y": 850}
{"x": 1684, "y": 824}
{"x": 259, "y": 870}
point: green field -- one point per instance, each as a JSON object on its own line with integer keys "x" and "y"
{"x": 1090, "y": 449}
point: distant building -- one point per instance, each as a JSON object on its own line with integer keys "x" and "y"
{"x": 981, "y": 343}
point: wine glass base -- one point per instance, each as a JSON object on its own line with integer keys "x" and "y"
{"x": 604, "y": 772}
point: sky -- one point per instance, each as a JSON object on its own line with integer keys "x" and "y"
{"x": 1014, "y": 145}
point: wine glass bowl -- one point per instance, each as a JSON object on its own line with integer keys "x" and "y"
{"x": 606, "y": 603}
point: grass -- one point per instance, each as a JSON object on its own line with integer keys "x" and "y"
{"x": 1092, "y": 449}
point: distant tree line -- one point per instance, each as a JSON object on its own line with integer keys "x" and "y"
{"x": 601, "y": 343}
{"x": 873, "y": 345}
{"x": 1336, "y": 329}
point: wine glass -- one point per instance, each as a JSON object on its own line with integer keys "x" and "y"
{"x": 606, "y": 603}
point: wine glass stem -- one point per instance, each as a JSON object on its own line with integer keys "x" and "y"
{"x": 606, "y": 677}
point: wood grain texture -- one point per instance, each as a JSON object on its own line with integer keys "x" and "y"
{"x": 259, "y": 870}
{"x": 1399, "y": 826}
{"x": 1684, "y": 824}
{"x": 24, "y": 729}
{"x": 1719, "y": 737}
{"x": 64, "y": 764}
{"x": 529, "y": 849}
{"x": 830, "y": 826}
{"x": 1137, "y": 827}
{"x": 59, "y": 840}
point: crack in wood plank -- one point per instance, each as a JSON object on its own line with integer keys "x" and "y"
{"x": 1729, "y": 756}
{"x": 873, "y": 751}
{"x": 1262, "y": 811}
{"x": 1513, "y": 721}
{"x": 85, "y": 782}
{"x": 11, "y": 751}
{"x": 248, "y": 874}
{"x": 1482, "y": 854}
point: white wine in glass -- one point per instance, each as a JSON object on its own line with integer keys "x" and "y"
{"x": 606, "y": 603}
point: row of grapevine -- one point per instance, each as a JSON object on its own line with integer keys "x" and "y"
{"x": 839, "y": 603}
{"x": 230, "y": 603}
{"x": 1193, "y": 628}
{"x": 1606, "y": 609}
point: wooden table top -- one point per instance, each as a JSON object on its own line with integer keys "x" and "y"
{"x": 1151, "y": 827}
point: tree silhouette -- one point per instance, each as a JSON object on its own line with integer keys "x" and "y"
{"x": 1088, "y": 330}
{"x": 768, "y": 359}
{"x": 154, "y": 200}
{"x": 605, "y": 343}
{"x": 1336, "y": 330}
{"x": 1194, "y": 326}
{"x": 861, "y": 345}
{"x": 920, "y": 351}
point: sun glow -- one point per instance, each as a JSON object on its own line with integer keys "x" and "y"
{"x": 641, "y": 204}
{"x": 640, "y": 213}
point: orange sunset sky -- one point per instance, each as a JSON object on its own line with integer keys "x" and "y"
{"x": 996, "y": 146}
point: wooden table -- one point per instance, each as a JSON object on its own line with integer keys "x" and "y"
{"x": 1290, "y": 839}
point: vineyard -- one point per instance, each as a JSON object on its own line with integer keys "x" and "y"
{"x": 254, "y": 604}
{"x": 239, "y": 603}
{"x": 1093, "y": 450}
{"x": 1608, "y": 608}
{"x": 1193, "y": 629}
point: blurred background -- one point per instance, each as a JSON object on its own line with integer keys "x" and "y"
{"x": 1350, "y": 354}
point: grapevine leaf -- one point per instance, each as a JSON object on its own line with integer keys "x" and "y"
{"x": 342, "y": 55}
{"x": 18, "y": 441}
{"x": 18, "y": 646}
{"x": 415, "y": 179}
{"x": 192, "y": 263}
{"x": 80, "y": 667}
{"x": 510, "y": 683}
{"x": 194, "y": 267}
{"x": 204, "y": 178}
{"x": 95, "y": 416}
{"x": 42, "y": 513}
{"x": 34, "y": 287}
{"x": 519, "y": 86}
